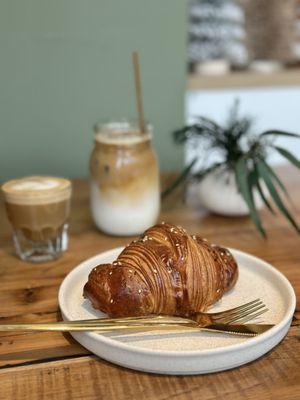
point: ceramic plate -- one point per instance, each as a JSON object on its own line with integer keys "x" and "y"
{"x": 189, "y": 352}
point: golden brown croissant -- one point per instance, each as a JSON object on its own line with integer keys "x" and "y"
{"x": 166, "y": 271}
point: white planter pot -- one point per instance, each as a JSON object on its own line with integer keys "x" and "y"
{"x": 218, "y": 193}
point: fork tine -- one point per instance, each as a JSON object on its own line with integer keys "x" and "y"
{"x": 237, "y": 310}
{"x": 238, "y": 317}
{"x": 247, "y": 313}
{"x": 250, "y": 317}
{"x": 225, "y": 312}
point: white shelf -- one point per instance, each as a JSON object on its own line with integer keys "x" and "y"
{"x": 289, "y": 77}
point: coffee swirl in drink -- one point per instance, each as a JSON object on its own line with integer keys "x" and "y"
{"x": 124, "y": 180}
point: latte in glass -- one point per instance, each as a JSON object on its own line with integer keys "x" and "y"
{"x": 38, "y": 208}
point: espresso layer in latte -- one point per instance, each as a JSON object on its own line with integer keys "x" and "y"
{"x": 41, "y": 221}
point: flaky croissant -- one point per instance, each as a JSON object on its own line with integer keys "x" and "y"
{"x": 166, "y": 271}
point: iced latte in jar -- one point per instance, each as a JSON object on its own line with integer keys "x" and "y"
{"x": 124, "y": 179}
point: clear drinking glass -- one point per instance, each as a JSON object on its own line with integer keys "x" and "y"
{"x": 38, "y": 208}
{"x": 124, "y": 178}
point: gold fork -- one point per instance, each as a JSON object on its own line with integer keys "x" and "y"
{"x": 229, "y": 321}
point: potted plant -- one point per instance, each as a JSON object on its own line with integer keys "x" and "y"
{"x": 242, "y": 181}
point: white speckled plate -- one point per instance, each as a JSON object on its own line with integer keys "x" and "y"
{"x": 189, "y": 352}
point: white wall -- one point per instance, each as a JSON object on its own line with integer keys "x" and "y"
{"x": 271, "y": 108}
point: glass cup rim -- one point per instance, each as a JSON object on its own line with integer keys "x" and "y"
{"x": 121, "y": 131}
{"x": 34, "y": 197}
{"x": 132, "y": 122}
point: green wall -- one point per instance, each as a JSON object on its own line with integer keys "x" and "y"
{"x": 67, "y": 63}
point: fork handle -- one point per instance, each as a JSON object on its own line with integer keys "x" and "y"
{"x": 75, "y": 326}
{"x": 105, "y": 324}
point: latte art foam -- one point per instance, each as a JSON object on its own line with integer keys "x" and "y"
{"x": 37, "y": 190}
{"x": 34, "y": 184}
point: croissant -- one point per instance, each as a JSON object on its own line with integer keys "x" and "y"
{"x": 165, "y": 271}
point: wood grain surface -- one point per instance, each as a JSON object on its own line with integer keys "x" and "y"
{"x": 53, "y": 366}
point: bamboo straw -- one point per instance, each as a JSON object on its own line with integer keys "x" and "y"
{"x": 138, "y": 91}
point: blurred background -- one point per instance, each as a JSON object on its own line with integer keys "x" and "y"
{"x": 65, "y": 64}
{"x": 247, "y": 50}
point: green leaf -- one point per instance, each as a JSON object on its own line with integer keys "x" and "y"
{"x": 260, "y": 191}
{"x": 280, "y": 133}
{"x": 184, "y": 174}
{"x": 276, "y": 178}
{"x": 210, "y": 124}
{"x": 244, "y": 185}
{"x": 264, "y": 172}
{"x": 241, "y": 128}
{"x": 289, "y": 156}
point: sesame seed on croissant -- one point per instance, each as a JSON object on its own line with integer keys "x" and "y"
{"x": 166, "y": 271}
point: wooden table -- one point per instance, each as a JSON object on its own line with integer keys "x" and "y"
{"x": 54, "y": 366}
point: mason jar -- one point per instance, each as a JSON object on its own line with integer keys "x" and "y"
{"x": 124, "y": 178}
